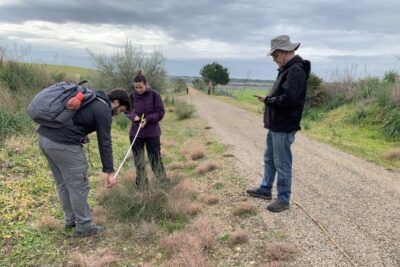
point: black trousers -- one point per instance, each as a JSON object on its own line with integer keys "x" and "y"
{"x": 153, "y": 148}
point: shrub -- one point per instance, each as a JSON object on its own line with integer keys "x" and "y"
{"x": 313, "y": 85}
{"x": 199, "y": 84}
{"x": 122, "y": 121}
{"x": 169, "y": 100}
{"x": 183, "y": 110}
{"x": 223, "y": 92}
{"x": 119, "y": 69}
{"x": 391, "y": 123}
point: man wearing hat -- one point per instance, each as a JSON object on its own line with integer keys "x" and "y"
{"x": 283, "y": 112}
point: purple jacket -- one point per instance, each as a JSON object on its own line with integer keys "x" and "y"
{"x": 151, "y": 105}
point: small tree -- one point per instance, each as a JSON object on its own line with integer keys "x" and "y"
{"x": 199, "y": 84}
{"x": 215, "y": 73}
{"x": 119, "y": 69}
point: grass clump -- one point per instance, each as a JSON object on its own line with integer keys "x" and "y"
{"x": 183, "y": 110}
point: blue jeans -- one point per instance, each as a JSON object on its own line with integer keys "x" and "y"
{"x": 278, "y": 160}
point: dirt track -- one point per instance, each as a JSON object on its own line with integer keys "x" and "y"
{"x": 356, "y": 201}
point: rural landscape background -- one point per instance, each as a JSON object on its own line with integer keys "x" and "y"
{"x": 346, "y": 187}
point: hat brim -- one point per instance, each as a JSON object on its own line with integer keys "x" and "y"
{"x": 291, "y": 47}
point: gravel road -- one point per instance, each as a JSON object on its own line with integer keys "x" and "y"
{"x": 356, "y": 201}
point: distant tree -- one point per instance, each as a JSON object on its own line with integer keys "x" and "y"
{"x": 119, "y": 68}
{"x": 215, "y": 73}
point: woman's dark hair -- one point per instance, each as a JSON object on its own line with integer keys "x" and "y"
{"x": 140, "y": 77}
{"x": 122, "y": 96}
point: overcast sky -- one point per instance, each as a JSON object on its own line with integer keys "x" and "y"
{"x": 362, "y": 37}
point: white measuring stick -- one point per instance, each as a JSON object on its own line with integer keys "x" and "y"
{"x": 129, "y": 149}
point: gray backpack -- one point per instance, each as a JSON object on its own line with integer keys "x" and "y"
{"x": 48, "y": 108}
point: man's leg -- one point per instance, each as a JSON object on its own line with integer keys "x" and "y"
{"x": 265, "y": 189}
{"x": 62, "y": 190}
{"x": 283, "y": 163}
{"x": 140, "y": 163}
{"x": 71, "y": 162}
{"x": 153, "y": 148}
{"x": 269, "y": 166}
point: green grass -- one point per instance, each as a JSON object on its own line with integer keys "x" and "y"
{"x": 352, "y": 130}
{"x": 352, "y": 127}
{"x": 245, "y": 99}
{"x": 78, "y": 73}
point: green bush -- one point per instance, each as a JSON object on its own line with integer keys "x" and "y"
{"x": 119, "y": 69}
{"x": 183, "y": 110}
{"x": 122, "y": 121}
{"x": 199, "y": 84}
{"x": 169, "y": 100}
{"x": 20, "y": 77}
{"x": 391, "y": 123}
{"x": 223, "y": 92}
{"x": 13, "y": 124}
{"x": 313, "y": 85}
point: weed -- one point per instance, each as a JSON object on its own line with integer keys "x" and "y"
{"x": 122, "y": 121}
{"x": 209, "y": 199}
{"x": 244, "y": 209}
{"x": 238, "y": 237}
{"x": 183, "y": 110}
{"x": 281, "y": 250}
{"x": 206, "y": 167}
{"x": 393, "y": 154}
{"x": 225, "y": 237}
{"x": 49, "y": 223}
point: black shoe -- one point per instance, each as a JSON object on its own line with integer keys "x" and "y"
{"x": 278, "y": 205}
{"x": 259, "y": 193}
{"x": 68, "y": 226}
{"x": 92, "y": 230}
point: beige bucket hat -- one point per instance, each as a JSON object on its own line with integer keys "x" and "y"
{"x": 282, "y": 42}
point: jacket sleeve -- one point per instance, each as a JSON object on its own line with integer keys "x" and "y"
{"x": 293, "y": 90}
{"x": 103, "y": 121}
{"x": 158, "y": 111}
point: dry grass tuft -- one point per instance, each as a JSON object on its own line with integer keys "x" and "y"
{"x": 392, "y": 154}
{"x": 188, "y": 258}
{"x": 107, "y": 260}
{"x": 197, "y": 152}
{"x": 101, "y": 193}
{"x": 184, "y": 189}
{"x": 176, "y": 165}
{"x": 191, "y": 164}
{"x": 272, "y": 264}
{"x": 50, "y": 223}
{"x": 99, "y": 215}
{"x": 79, "y": 260}
{"x": 176, "y": 242}
{"x": 244, "y": 209}
{"x": 238, "y": 237}
{"x": 146, "y": 232}
{"x": 166, "y": 154}
{"x": 209, "y": 199}
{"x": 206, "y": 167}
{"x": 167, "y": 143}
{"x": 281, "y": 250}
{"x": 204, "y": 229}
{"x": 194, "y": 151}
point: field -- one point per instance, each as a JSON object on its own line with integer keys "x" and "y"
{"x": 31, "y": 226}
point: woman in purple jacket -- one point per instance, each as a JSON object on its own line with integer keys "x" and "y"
{"x": 146, "y": 102}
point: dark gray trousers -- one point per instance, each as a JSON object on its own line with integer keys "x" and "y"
{"x": 69, "y": 167}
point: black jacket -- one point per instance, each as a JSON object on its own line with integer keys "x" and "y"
{"x": 95, "y": 116}
{"x": 284, "y": 107}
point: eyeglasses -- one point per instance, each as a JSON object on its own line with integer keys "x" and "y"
{"x": 276, "y": 53}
